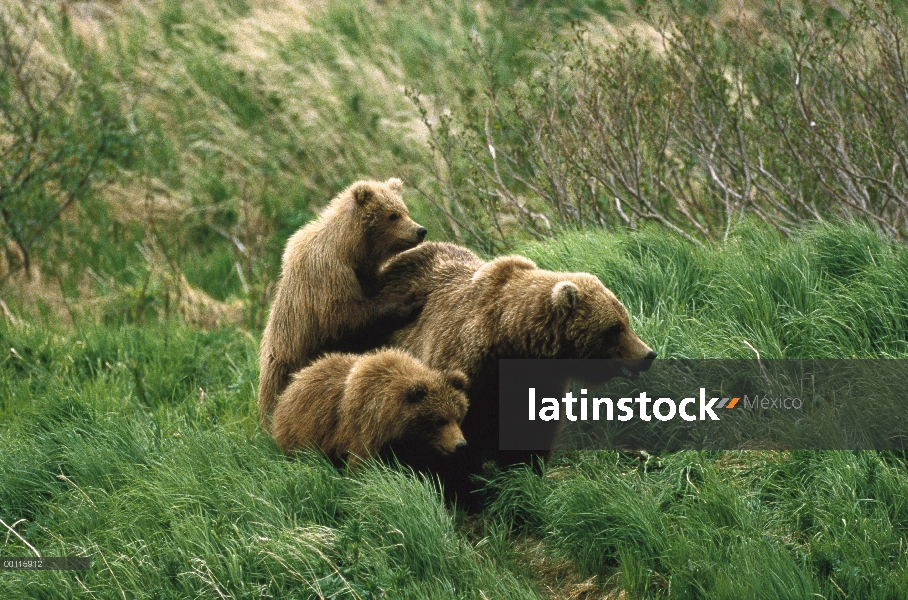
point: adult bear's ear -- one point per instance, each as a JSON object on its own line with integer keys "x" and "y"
{"x": 457, "y": 380}
{"x": 362, "y": 193}
{"x": 415, "y": 392}
{"x": 395, "y": 184}
{"x": 565, "y": 296}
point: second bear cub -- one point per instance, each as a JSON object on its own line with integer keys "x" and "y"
{"x": 356, "y": 406}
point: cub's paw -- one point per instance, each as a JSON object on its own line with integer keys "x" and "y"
{"x": 416, "y": 299}
{"x": 412, "y": 304}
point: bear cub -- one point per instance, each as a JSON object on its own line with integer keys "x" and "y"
{"x": 328, "y": 293}
{"x": 356, "y": 406}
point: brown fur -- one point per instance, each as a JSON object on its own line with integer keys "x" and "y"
{"x": 327, "y": 292}
{"x": 478, "y": 312}
{"x": 356, "y": 406}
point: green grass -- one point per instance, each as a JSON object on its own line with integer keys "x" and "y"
{"x": 834, "y": 291}
{"x": 139, "y": 446}
{"x": 132, "y": 438}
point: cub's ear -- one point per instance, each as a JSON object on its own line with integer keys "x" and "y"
{"x": 395, "y": 184}
{"x": 362, "y": 193}
{"x": 415, "y": 392}
{"x": 565, "y": 296}
{"x": 457, "y": 380}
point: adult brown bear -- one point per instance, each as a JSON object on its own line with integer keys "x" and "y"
{"x": 477, "y": 312}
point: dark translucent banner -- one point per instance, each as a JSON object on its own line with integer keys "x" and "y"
{"x": 703, "y": 404}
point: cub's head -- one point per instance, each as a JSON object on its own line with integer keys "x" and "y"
{"x": 385, "y": 218}
{"x": 435, "y": 404}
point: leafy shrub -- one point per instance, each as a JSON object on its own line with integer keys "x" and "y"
{"x": 63, "y": 133}
{"x": 798, "y": 118}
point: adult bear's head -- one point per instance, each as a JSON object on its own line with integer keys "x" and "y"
{"x": 545, "y": 314}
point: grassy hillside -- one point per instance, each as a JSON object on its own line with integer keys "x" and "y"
{"x": 139, "y": 446}
{"x": 240, "y": 120}
{"x": 155, "y": 156}
{"x": 179, "y": 144}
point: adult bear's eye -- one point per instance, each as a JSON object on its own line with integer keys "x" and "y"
{"x": 614, "y": 330}
{"x": 394, "y": 217}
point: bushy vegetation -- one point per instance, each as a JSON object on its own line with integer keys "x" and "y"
{"x": 139, "y": 446}
{"x": 62, "y": 134}
{"x": 192, "y": 138}
{"x": 789, "y": 114}
{"x": 245, "y": 118}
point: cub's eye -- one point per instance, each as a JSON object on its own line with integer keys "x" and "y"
{"x": 394, "y": 217}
